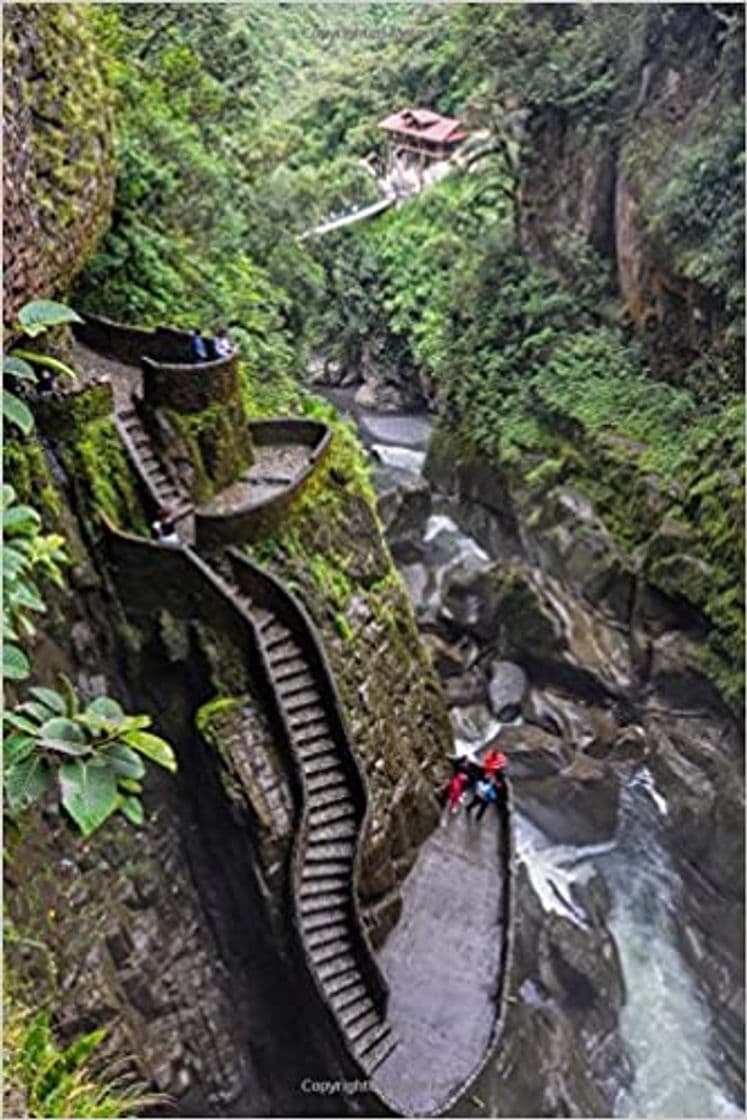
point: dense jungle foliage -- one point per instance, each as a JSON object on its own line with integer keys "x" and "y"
{"x": 510, "y": 332}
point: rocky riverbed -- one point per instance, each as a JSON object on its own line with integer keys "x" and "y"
{"x": 627, "y": 976}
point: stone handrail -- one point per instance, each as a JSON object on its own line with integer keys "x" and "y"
{"x": 129, "y": 344}
{"x": 236, "y": 525}
{"x": 171, "y": 378}
{"x": 261, "y": 586}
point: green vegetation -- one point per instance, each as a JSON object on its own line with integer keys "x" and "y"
{"x": 90, "y": 753}
{"x": 478, "y": 288}
{"x": 43, "y": 1079}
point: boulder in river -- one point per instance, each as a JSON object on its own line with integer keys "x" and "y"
{"x": 404, "y": 511}
{"x": 507, "y": 688}
{"x": 578, "y": 805}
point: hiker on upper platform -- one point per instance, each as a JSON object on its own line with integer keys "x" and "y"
{"x": 222, "y": 343}
{"x": 198, "y": 346}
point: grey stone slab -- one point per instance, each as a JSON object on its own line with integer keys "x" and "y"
{"x": 442, "y": 964}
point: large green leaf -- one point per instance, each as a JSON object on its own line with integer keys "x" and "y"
{"x": 106, "y": 707}
{"x": 15, "y": 748}
{"x": 124, "y": 761}
{"x": 9, "y": 495}
{"x": 153, "y": 748}
{"x": 37, "y": 316}
{"x": 21, "y": 519}
{"x": 48, "y": 362}
{"x": 60, "y": 734}
{"x": 49, "y": 698}
{"x": 25, "y": 781}
{"x": 15, "y": 411}
{"x": 19, "y": 368}
{"x": 16, "y": 665}
{"x": 89, "y": 793}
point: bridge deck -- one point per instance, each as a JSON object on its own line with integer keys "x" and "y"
{"x": 442, "y": 962}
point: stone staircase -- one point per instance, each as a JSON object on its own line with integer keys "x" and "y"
{"x": 335, "y": 946}
{"x": 163, "y": 489}
{"x": 324, "y": 883}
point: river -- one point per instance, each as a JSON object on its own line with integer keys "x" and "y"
{"x": 665, "y": 1023}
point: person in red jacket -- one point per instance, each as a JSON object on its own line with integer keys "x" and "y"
{"x": 456, "y": 789}
{"x": 495, "y": 766}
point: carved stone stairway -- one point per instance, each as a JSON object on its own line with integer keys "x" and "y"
{"x": 324, "y": 882}
{"x": 164, "y": 490}
{"x": 334, "y": 943}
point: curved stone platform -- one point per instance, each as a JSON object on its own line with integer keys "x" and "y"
{"x": 286, "y": 454}
{"x": 446, "y": 961}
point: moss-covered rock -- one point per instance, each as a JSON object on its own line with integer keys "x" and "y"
{"x": 58, "y": 143}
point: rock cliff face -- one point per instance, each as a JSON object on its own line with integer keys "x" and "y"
{"x": 597, "y": 180}
{"x": 58, "y": 171}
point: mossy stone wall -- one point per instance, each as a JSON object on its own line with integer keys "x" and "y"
{"x": 58, "y": 148}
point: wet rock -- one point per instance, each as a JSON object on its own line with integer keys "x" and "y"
{"x": 532, "y": 752}
{"x": 507, "y": 688}
{"x": 578, "y": 805}
{"x": 405, "y": 511}
{"x": 472, "y": 723}
{"x": 466, "y": 689}
{"x": 561, "y": 639}
{"x": 568, "y": 541}
{"x": 565, "y": 1001}
{"x": 470, "y": 597}
{"x": 451, "y": 657}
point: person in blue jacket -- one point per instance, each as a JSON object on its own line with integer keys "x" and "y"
{"x": 197, "y": 346}
{"x": 486, "y": 793}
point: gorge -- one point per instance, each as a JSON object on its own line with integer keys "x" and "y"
{"x": 473, "y": 471}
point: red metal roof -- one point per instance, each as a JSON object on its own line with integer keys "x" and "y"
{"x": 425, "y": 124}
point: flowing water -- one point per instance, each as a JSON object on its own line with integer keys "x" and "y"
{"x": 665, "y": 1022}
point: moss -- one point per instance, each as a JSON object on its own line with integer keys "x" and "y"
{"x": 207, "y": 714}
{"x": 26, "y": 469}
{"x": 98, "y": 463}
{"x": 218, "y": 445}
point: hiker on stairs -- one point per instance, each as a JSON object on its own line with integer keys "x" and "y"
{"x": 164, "y": 528}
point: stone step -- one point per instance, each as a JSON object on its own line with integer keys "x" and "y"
{"x": 363, "y": 1024}
{"x": 288, "y": 669}
{"x": 311, "y": 734}
{"x": 371, "y": 1037}
{"x": 332, "y": 796}
{"x": 336, "y": 869}
{"x": 282, "y": 651}
{"x": 343, "y": 997}
{"x": 339, "y": 811}
{"x": 379, "y": 1053}
{"x": 315, "y": 938}
{"x": 321, "y": 762}
{"x": 321, "y": 783}
{"x": 331, "y": 850}
{"x": 335, "y": 986}
{"x": 294, "y": 684}
{"x": 264, "y": 618}
{"x": 354, "y": 1011}
{"x": 335, "y": 830}
{"x": 310, "y": 713}
{"x": 332, "y": 950}
{"x": 276, "y": 632}
{"x": 301, "y": 699}
{"x": 323, "y": 919}
{"x": 335, "y": 966}
{"x": 316, "y": 747}
{"x": 312, "y": 904}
